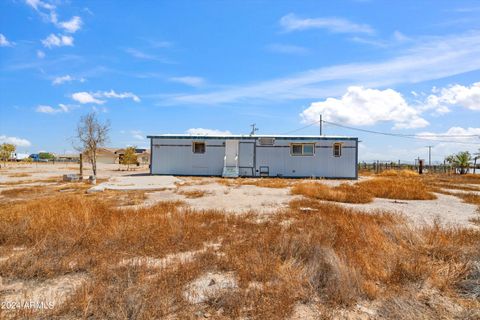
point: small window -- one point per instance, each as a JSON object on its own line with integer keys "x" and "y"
{"x": 337, "y": 149}
{"x": 308, "y": 149}
{"x": 199, "y": 147}
{"x": 302, "y": 149}
{"x": 296, "y": 149}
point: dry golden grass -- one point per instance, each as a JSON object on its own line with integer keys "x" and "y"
{"x": 399, "y": 173}
{"x": 344, "y": 193}
{"x": 402, "y": 186}
{"x": 193, "y": 194}
{"x": 327, "y": 255}
{"x": 19, "y": 175}
{"x": 261, "y": 182}
{"x": 398, "y": 187}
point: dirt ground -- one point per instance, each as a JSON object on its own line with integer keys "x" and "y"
{"x": 231, "y": 197}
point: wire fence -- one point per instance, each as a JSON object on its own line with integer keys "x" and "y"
{"x": 380, "y": 166}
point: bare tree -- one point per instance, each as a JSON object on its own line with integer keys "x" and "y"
{"x": 91, "y": 134}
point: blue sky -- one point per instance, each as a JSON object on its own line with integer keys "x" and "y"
{"x": 151, "y": 67}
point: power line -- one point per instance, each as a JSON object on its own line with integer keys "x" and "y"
{"x": 429, "y": 137}
{"x": 407, "y": 136}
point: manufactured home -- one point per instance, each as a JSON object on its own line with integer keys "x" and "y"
{"x": 254, "y": 156}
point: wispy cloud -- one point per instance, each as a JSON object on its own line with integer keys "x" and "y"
{"x": 145, "y": 56}
{"x": 189, "y": 80}
{"x": 62, "y": 108}
{"x": 38, "y": 4}
{"x": 431, "y": 59}
{"x": 66, "y": 78}
{"x": 113, "y": 94}
{"x": 207, "y": 132}
{"x": 396, "y": 39}
{"x": 95, "y": 98}
{"x": 57, "y": 41}
{"x": 287, "y": 48}
{"x": 19, "y": 142}
{"x": 292, "y": 22}
{"x": 4, "y": 42}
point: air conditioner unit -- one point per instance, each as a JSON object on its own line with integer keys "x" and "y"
{"x": 265, "y": 141}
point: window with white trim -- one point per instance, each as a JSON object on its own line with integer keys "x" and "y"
{"x": 337, "y": 149}
{"x": 198, "y": 147}
{"x": 302, "y": 149}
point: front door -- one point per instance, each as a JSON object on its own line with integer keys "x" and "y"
{"x": 231, "y": 153}
{"x": 246, "y": 158}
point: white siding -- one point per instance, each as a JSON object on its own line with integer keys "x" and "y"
{"x": 175, "y": 156}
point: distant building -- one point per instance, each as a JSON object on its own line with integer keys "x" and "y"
{"x": 255, "y": 156}
{"x": 114, "y": 155}
{"x": 67, "y": 157}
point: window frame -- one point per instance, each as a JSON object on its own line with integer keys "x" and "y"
{"x": 334, "y": 146}
{"x": 195, "y": 143}
{"x": 302, "y": 154}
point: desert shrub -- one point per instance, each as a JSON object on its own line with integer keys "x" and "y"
{"x": 342, "y": 193}
{"x": 328, "y": 255}
{"x": 397, "y": 188}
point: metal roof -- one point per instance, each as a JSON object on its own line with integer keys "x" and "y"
{"x": 249, "y": 137}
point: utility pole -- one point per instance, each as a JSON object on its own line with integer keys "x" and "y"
{"x": 321, "y": 122}
{"x": 254, "y": 129}
{"x": 429, "y": 156}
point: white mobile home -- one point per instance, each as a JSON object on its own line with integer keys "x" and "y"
{"x": 254, "y": 156}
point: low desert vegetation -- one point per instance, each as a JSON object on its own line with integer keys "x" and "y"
{"x": 343, "y": 193}
{"x": 400, "y": 185}
{"x": 311, "y": 253}
{"x": 19, "y": 175}
{"x": 262, "y": 182}
{"x": 193, "y": 194}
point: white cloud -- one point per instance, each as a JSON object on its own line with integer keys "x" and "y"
{"x": 88, "y": 97}
{"x": 291, "y": 22}
{"x": 19, "y": 142}
{"x": 50, "y": 110}
{"x": 456, "y": 95}
{"x": 4, "y": 41}
{"x": 85, "y": 97}
{"x": 66, "y": 78}
{"x": 62, "y": 79}
{"x": 57, "y": 41}
{"x": 40, "y": 54}
{"x": 429, "y": 60}
{"x": 287, "y": 48}
{"x": 207, "y": 132}
{"x": 72, "y": 25}
{"x": 189, "y": 80}
{"x": 113, "y": 94}
{"x": 36, "y": 4}
{"x": 48, "y": 13}
{"x": 454, "y": 134}
{"x": 363, "y": 107}
{"x": 453, "y": 140}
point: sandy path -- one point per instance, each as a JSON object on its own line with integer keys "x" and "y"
{"x": 233, "y": 199}
{"x": 449, "y": 209}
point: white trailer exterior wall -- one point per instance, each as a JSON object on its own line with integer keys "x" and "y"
{"x": 173, "y": 155}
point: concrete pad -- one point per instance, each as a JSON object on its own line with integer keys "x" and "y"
{"x": 145, "y": 182}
